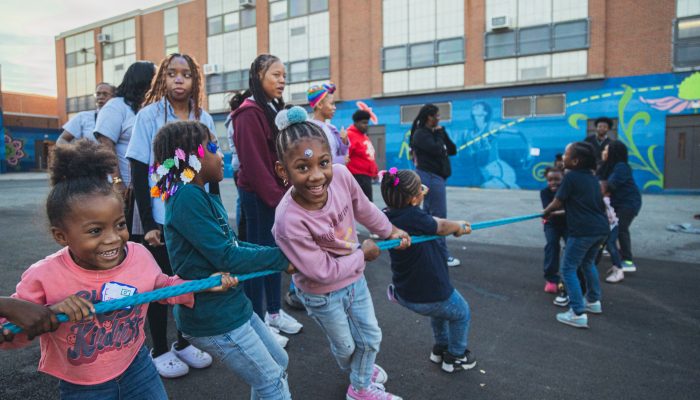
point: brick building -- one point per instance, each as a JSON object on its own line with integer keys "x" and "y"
{"x": 515, "y": 80}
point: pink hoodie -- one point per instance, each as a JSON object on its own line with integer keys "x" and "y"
{"x": 96, "y": 351}
{"x": 323, "y": 244}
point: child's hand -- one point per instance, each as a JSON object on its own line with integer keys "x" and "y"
{"x": 370, "y": 250}
{"x": 465, "y": 228}
{"x": 401, "y": 234}
{"x": 291, "y": 269}
{"x": 76, "y": 308}
{"x": 153, "y": 238}
{"x": 34, "y": 319}
{"x": 227, "y": 282}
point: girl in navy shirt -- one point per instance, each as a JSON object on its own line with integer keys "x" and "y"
{"x": 587, "y": 229}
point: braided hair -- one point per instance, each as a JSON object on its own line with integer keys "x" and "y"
{"x": 77, "y": 169}
{"x": 288, "y": 136}
{"x": 398, "y": 189}
{"x": 584, "y": 152}
{"x": 159, "y": 87}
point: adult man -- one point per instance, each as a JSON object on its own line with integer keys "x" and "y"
{"x": 361, "y": 155}
{"x": 83, "y": 124}
{"x": 601, "y": 138}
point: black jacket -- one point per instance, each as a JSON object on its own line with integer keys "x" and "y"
{"x": 431, "y": 149}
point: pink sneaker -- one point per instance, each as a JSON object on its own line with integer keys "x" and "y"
{"x": 379, "y": 375}
{"x": 374, "y": 392}
{"x": 550, "y": 287}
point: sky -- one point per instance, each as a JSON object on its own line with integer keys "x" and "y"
{"x": 27, "y": 36}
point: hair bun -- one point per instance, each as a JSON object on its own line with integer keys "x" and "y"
{"x": 292, "y": 116}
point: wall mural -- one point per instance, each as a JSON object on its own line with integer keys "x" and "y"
{"x": 13, "y": 150}
{"x": 512, "y": 153}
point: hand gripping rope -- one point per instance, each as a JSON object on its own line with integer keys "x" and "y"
{"x": 214, "y": 281}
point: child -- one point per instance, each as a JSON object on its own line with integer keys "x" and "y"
{"x": 615, "y": 274}
{"x": 321, "y": 102}
{"x": 176, "y": 94}
{"x": 259, "y": 188}
{"x": 200, "y": 241}
{"x": 587, "y": 229}
{"x": 421, "y": 280}
{"x": 315, "y": 228}
{"x": 103, "y": 354}
{"x": 624, "y": 196}
{"x": 554, "y": 231}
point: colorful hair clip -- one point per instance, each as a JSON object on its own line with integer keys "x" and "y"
{"x": 200, "y": 151}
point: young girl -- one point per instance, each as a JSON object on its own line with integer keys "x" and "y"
{"x": 421, "y": 280}
{"x": 321, "y": 102}
{"x": 176, "y": 94}
{"x": 554, "y": 231}
{"x": 315, "y": 228}
{"x": 259, "y": 188}
{"x": 200, "y": 241}
{"x": 587, "y": 227}
{"x": 101, "y": 355}
{"x": 625, "y": 198}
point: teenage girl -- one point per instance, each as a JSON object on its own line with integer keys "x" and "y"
{"x": 200, "y": 242}
{"x": 315, "y": 228}
{"x": 259, "y": 188}
{"x": 175, "y": 95}
{"x": 100, "y": 356}
{"x": 420, "y": 275}
{"x": 587, "y": 225}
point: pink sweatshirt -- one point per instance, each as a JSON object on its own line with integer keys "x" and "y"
{"x": 322, "y": 244}
{"x": 93, "y": 352}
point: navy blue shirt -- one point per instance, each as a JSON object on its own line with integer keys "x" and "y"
{"x": 624, "y": 193}
{"x": 557, "y": 221}
{"x": 583, "y": 202}
{"x": 420, "y": 272}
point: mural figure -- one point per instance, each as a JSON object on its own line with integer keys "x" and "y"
{"x": 688, "y": 97}
{"x": 13, "y": 151}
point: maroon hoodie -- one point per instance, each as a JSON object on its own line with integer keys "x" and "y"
{"x": 255, "y": 146}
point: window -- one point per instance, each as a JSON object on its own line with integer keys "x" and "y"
{"x": 171, "y": 45}
{"x": 215, "y": 25}
{"x": 233, "y": 21}
{"x": 410, "y": 112}
{"x": 450, "y": 51}
{"x": 420, "y": 55}
{"x": 247, "y": 18}
{"x": 80, "y": 103}
{"x": 395, "y": 58}
{"x": 118, "y": 48}
{"x": 557, "y": 37}
{"x": 170, "y": 29}
{"x": 686, "y": 42}
{"x": 319, "y": 68}
{"x": 299, "y": 71}
{"x": 227, "y": 82}
{"x": 283, "y": 9}
{"x": 537, "y": 106}
{"x": 80, "y": 57}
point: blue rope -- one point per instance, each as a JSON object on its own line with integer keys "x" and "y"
{"x": 214, "y": 281}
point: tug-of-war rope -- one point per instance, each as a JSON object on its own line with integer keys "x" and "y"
{"x": 213, "y": 281}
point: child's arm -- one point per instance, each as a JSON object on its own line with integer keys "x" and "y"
{"x": 447, "y": 227}
{"x": 318, "y": 265}
{"x": 554, "y": 205}
{"x": 34, "y": 319}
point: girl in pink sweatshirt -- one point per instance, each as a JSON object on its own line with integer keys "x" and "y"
{"x": 315, "y": 228}
{"x": 94, "y": 356}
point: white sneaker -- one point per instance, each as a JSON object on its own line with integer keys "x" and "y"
{"x": 169, "y": 366}
{"x": 616, "y": 275}
{"x": 281, "y": 340}
{"x": 453, "y": 262}
{"x": 193, "y": 356}
{"x": 284, "y": 322}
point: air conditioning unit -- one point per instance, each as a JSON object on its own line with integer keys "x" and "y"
{"x": 210, "y": 69}
{"x": 104, "y": 38}
{"x": 246, "y": 3}
{"x": 502, "y": 22}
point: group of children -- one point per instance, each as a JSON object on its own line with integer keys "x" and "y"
{"x": 186, "y": 225}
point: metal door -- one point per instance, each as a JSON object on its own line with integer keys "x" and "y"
{"x": 682, "y": 169}
{"x": 377, "y": 134}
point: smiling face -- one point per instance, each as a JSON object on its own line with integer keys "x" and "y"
{"x": 94, "y": 231}
{"x": 273, "y": 81}
{"x": 554, "y": 180}
{"x": 178, "y": 80}
{"x": 308, "y": 167}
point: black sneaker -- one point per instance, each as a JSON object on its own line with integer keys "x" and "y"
{"x": 437, "y": 353}
{"x": 562, "y": 299}
{"x": 452, "y": 364}
{"x": 293, "y": 301}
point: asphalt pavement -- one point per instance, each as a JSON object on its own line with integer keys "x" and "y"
{"x": 644, "y": 345}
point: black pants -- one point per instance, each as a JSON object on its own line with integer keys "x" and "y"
{"x": 625, "y": 217}
{"x": 365, "y": 182}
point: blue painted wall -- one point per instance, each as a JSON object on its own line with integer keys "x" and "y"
{"x": 19, "y": 152}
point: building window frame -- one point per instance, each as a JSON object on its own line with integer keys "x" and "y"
{"x": 532, "y": 101}
{"x": 678, "y": 43}
{"x": 408, "y": 112}
{"x": 552, "y": 41}
{"x": 309, "y": 77}
{"x": 81, "y": 57}
{"x": 108, "y": 55}
{"x": 218, "y": 22}
{"x": 228, "y": 81}
{"x": 409, "y": 63}
{"x": 80, "y": 103}
{"x": 288, "y": 9}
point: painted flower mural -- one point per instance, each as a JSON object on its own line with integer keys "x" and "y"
{"x": 688, "y": 97}
{"x": 13, "y": 151}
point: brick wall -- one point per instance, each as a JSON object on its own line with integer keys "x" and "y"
{"x": 23, "y": 103}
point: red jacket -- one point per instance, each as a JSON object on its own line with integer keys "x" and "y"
{"x": 256, "y": 152}
{"x": 361, "y": 154}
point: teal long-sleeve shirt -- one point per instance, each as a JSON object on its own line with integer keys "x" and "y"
{"x": 200, "y": 242}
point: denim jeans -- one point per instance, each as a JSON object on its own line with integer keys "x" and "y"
{"x": 611, "y": 244}
{"x": 449, "y": 320}
{"x": 435, "y": 202}
{"x": 140, "y": 381}
{"x": 252, "y": 353}
{"x": 347, "y": 318}
{"x": 580, "y": 254}
{"x": 552, "y": 251}
{"x": 626, "y": 217}
{"x": 265, "y": 293}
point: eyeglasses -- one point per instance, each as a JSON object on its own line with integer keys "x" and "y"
{"x": 424, "y": 189}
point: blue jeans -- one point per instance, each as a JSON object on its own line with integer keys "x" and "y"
{"x": 140, "y": 381}
{"x": 252, "y": 353}
{"x": 612, "y": 247}
{"x": 580, "y": 254}
{"x": 435, "y": 202}
{"x": 347, "y": 318}
{"x": 552, "y": 251}
{"x": 449, "y": 319}
{"x": 259, "y": 219}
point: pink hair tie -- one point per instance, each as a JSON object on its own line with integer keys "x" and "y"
{"x": 200, "y": 151}
{"x": 394, "y": 172}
